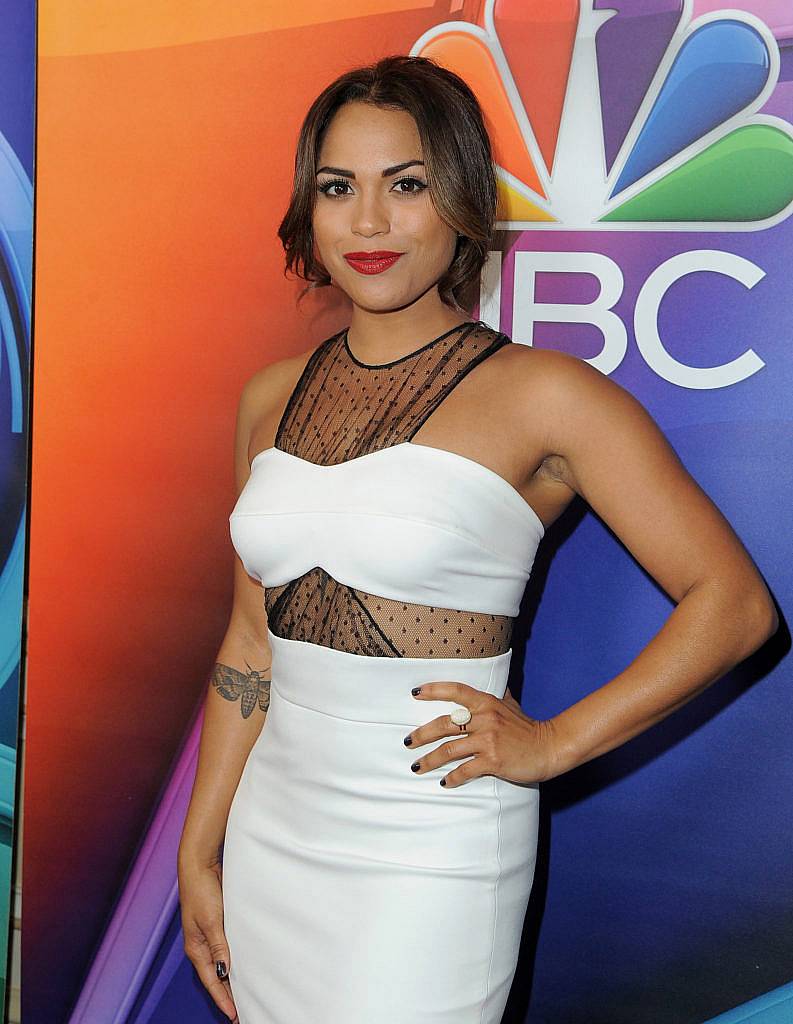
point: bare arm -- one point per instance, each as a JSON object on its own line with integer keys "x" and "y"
{"x": 615, "y": 456}
{"x": 238, "y": 687}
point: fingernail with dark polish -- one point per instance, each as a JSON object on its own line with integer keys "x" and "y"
{"x": 415, "y": 766}
{"x": 443, "y": 782}
{"x": 416, "y": 691}
{"x": 408, "y": 740}
{"x": 220, "y": 968}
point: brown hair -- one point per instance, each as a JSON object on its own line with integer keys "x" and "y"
{"x": 457, "y": 156}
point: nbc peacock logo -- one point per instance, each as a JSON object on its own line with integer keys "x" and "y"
{"x": 608, "y": 115}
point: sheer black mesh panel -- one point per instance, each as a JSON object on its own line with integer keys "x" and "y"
{"x": 320, "y": 610}
{"x": 341, "y": 409}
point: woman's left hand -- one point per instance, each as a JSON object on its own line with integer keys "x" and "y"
{"x": 502, "y": 739}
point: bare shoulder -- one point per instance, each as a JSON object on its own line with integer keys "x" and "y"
{"x": 264, "y": 388}
{"x": 265, "y": 393}
{"x": 561, "y": 380}
{"x": 576, "y": 409}
{"x": 261, "y": 401}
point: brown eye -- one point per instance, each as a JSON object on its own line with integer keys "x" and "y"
{"x": 410, "y": 181}
{"x": 326, "y": 186}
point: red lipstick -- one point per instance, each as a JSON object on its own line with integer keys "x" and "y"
{"x": 374, "y": 262}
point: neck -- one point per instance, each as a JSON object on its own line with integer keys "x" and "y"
{"x": 380, "y": 337}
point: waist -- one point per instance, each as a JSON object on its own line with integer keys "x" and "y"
{"x": 375, "y": 689}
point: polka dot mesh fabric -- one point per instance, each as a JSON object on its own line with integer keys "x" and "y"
{"x": 340, "y": 409}
{"x": 320, "y": 610}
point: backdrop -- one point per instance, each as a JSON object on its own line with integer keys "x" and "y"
{"x": 17, "y": 68}
{"x": 646, "y": 176}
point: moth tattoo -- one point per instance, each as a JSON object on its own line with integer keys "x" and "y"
{"x": 252, "y": 687}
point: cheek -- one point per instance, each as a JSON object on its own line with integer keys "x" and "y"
{"x": 327, "y": 222}
{"x": 421, "y": 221}
{"x": 440, "y": 237}
{"x": 437, "y": 243}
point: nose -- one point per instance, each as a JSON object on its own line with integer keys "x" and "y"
{"x": 370, "y": 216}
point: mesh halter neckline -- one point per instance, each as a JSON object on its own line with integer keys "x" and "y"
{"x": 339, "y": 410}
{"x": 410, "y": 355}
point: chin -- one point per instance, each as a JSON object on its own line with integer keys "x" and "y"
{"x": 377, "y": 294}
{"x": 380, "y": 304}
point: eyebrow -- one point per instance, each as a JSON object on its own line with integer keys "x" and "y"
{"x": 386, "y": 173}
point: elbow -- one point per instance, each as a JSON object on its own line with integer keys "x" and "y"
{"x": 762, "y": 618}
{"x": 748, "y": 613}
{"x": 773, "y": 620}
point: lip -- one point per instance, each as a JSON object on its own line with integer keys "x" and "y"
{"x": 374, "y": 262}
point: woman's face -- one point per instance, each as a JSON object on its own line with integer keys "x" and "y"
{"x": 372, "y": 196}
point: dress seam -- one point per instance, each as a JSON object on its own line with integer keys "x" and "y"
{"x": 495, "y": 885}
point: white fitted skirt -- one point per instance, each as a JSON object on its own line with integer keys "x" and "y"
{"x": 356, "y": 891}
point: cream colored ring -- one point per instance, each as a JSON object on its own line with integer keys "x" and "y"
{"x": 460, "y": 716}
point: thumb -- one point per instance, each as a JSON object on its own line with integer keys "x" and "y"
{"x": 221, "y": 957}
{"x": 510, "y": 701}
{"x": 219, "y": 951}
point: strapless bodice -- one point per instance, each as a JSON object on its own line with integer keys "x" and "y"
{"x": 409, "y": 522}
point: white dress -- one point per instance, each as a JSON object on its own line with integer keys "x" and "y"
{"x": 356, "y": 891}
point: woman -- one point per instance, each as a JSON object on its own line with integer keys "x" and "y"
{"x": 394, "y": 483}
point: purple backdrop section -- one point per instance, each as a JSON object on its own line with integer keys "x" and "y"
{"x": 663, "y": 890}
{"x": 629, "y": 48}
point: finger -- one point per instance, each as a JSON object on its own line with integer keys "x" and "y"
{"x": 206, "y": 956}
{"x": 435, "y": 730}
{"x": 220, "y": 959}
{"x": 451, "y": 750}
{"x": 462, "y": 693}
{"x": 220, "y": 991}
{"x": 472, "y": 769}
